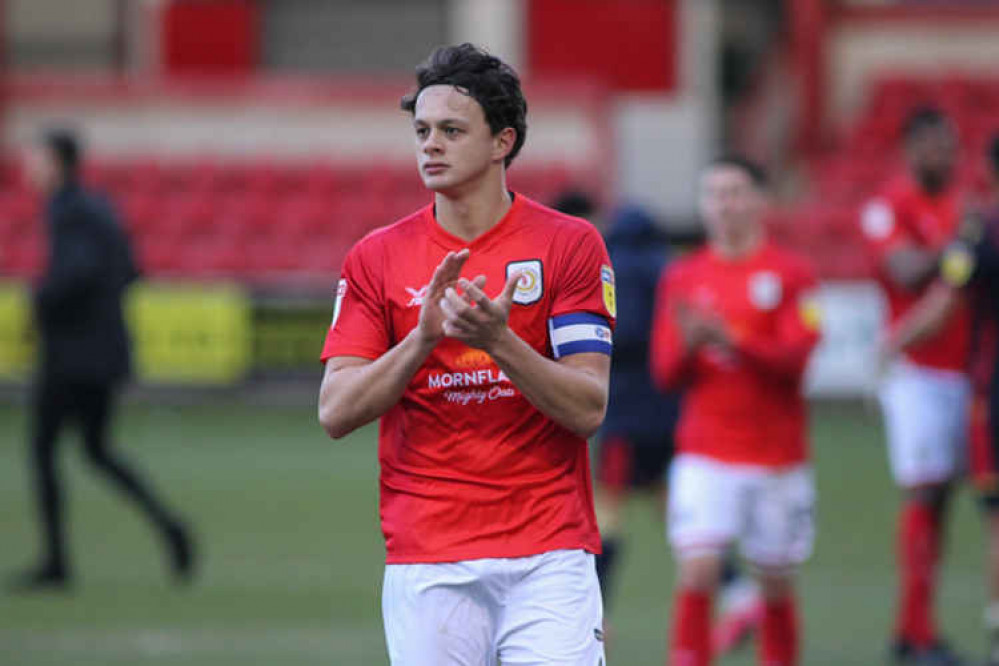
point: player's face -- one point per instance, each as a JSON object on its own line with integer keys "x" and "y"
{"x": 731, "y": 204}
{"x": 40, "y": 168}
{"x": 932, "y": 154}
{"x": 454, "y": 143}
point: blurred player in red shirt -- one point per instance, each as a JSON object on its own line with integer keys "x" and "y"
{"x": 969, "y": 269}
{"x": 735, "y": 325}
{"x": 485, "y": 402}
{"x": 925, "y": 395}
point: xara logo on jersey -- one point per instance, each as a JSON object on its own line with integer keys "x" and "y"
{"x": 416, "y": 296}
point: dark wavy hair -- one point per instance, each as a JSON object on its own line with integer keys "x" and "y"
{"x": 483, "y": 77}
{"x": 923, "y": 117}
{"x": 65, "y": 146}
{"x": 756, "y": 172}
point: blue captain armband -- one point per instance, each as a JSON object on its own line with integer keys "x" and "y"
{"x": 579, "y": 332}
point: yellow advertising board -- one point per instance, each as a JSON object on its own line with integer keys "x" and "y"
{"x": 189, "y": 333}
{"x": 181, "y": 333}
{"x": 17, "y": 337}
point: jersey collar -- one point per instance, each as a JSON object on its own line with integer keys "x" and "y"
{"x": 452, "y": 242}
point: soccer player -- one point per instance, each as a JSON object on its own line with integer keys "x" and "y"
{"x": 735, "y": 325}
{"x": 925, "y": 395}
{"x": 479, "y": 330}
{"x": 635, "y": 444}
{"x": 971, "y": 265}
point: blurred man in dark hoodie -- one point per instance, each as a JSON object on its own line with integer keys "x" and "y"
{"x": 636, "y": 441}
{"x": 84, "y": 356}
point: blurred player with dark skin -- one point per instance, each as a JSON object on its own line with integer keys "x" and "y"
{"x": 969, "y": 270}
{"x": 925, "y": 395}
{"x": 735, "y": 325}
{"x": 84, "y": 356}
{"x": 479, "y": 330}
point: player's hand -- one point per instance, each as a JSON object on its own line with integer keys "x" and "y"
{"x": 473, "y": 317}
{"x": 716, "y": 331}
{"x": 431, "y": 324}
{"x": 689, "y": 325}
{"x": 701, "y": 327}
{"x": 887, "y": 354}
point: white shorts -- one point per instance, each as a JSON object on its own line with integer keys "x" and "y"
{"x": 769, "y": 513}
{"x": 926, "y": 417}
{"x": 543, "y": 609}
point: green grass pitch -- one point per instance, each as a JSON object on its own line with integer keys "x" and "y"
{"x": 292, "y": 555}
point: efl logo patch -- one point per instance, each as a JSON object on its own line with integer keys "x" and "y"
{"x": 341, "y": 291}
{"x": 957, "y": 265}
{"x": 765, "y": 290}
{"x": 610, "y": 295}
{"x": 531, "y": 285}
{"x": 810, "y": 311}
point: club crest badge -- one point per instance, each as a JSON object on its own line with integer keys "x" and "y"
{"x": 877, "y": 220}
{"x": 765, "y": 290}
{"x": 531, "y": 286}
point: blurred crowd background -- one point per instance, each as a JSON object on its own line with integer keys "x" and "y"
{"x": 247, "y": 144}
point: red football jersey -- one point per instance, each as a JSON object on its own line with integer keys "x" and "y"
{"x": 744, "y": 405}
{"x": 905, "y": 214}
{"x": 469, "y": 468}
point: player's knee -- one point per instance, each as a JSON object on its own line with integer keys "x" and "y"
{"x": 701, "y": 573}
{"x": 929, "y": 494}
{"x": 96, "y": 455}
{"x": 776, "y": 584}
{"x": 991, "y": 511}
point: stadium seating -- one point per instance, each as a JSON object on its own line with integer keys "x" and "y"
{"x": 259, "y": 218}
{"x": 252, "y": 220}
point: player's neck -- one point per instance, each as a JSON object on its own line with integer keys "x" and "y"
{"x": 739, "y": 247}
{"x": 470, "y": 214}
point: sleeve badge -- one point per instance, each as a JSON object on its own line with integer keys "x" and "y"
{"x": 341, "y": 291}
{"x": 607, "y": 284}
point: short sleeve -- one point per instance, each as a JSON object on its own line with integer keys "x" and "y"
{"x": 359, "y": 326}
{"x": 586, "y": 279}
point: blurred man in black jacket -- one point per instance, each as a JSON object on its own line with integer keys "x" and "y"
{"x": 84, "y": 353}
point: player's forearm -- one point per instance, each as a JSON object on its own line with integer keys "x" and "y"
{"x": 572, "y": 397}
{"x": 912, "y": 268}
{"x": 356, "y": 395}
{"x": 924, "y": 320}
{"x": 783, "y": 358}
{"x": 671, "y": 359}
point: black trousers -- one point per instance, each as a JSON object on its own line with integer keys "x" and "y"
{"x": 89, "y": 407}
